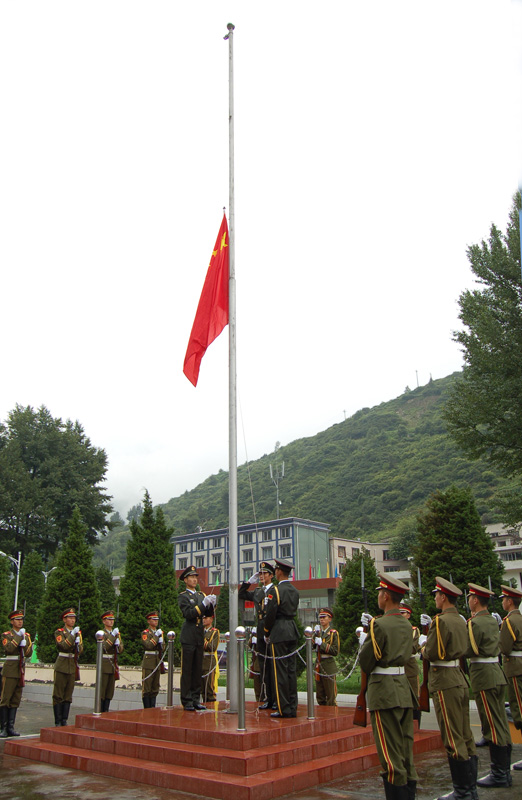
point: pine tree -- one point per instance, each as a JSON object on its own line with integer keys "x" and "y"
{"x": 71, "y": 584}
{"x": 453, "y": 543}
{"x": 108, "y": 600}
{"x": 31, "y": 589}
{"x": 349, "y": 601}
{"x": 6, "y": 605}
{"x": 149, "y": 583}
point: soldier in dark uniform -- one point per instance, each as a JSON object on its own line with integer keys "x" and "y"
{"x": 386, "y": 650}
{"x": 327, "y": 645}
{"x": 210, "y": 670}
{"x": 511, "y": 649}
{"x": 488, "y": 685}
{"x": 412, "y": 665}
{"x": 152, "y": 641}
{"x": 112, "y": 647}
{"x": 69, "y": 643}
{"x": 447, "y": 642}
{"x": 281, "y": 633}
{"x": 17, "y": 647}
{"x": 262, "y": 663}
{"x": 194, "y": 606}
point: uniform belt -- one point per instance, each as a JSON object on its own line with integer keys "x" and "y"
{"x": 488, "y": 660}
{"x": 66, "y": 655}
{"x": 106, "y": 655}
{"x": 388, "y": 671}
{"x": 514, "y": 654}
{"x": 12, "y": 658}
{"x": 454, "y": 663}
{"x": 323, "y": 656}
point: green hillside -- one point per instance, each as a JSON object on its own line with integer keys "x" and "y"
{"x": 360, "y": 476}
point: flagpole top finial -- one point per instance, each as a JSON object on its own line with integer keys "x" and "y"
{"x": 230, "y": 28}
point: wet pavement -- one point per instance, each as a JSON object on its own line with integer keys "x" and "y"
{"x": 29, "y": 780}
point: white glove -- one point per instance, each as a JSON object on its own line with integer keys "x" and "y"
{"x": 77, "y": 640}
{"x": 254, "y": 639}
{"x": 425, "y": 620}
{"x": 75, "y": 630}
{"x": 318, "y": 641}
{"x": 365, "y": 620}
{"x": 115, "y": 631}
{"x": 100, "y": 633}
{"x": 317, "y": 628}
{"x": 158, "y": 633}
{"x": 117, "y": 642}
{"x": 23, "y": 642}
{"x": 160, "y": 640}
{"x": 211, "y": 598}
{"x": 422, "y": 640}
{"x": 362, "y": 637}
{"x": 21, "y": 632}
{"x": 497, "y": 617}
{"x": 254, "y": 578}
{"x": 267, "y": 639}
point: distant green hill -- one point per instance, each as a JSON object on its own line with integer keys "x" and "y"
{"x": 360, "y": 476}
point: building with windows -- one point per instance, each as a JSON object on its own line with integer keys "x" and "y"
{"x": 343, "y": 550}
{"x": 508, "y": 546}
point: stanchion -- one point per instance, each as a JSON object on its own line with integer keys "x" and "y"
{"x": 170, "y": 675}
{"x": 309, "y": 673}
{"x": 240, "y": 637}
{"x": 99, "y": 663}
{"x": 227, "y": 640}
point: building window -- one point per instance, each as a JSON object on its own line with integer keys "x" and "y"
{"x": 248, "y": 555}
{"x": 341, "y": 567}
{"x": 266, "y": 553}
{"x": 200, "y": 544}
{"x": 217, "y": 542}
{"x": 285, "y": 533}
{"x": 216, "y": 559}
{"x": 391, "y": 569}
{"x": 385, "y": 555}
{"x": 355, "y": 551}
{"x": 267, "y": 536}
{"x": 248, "y": 538}
{"x": 341, "y": 552}
{"x": 183, "y": 548}
{"x": 247, "y": 573}
{"x": 200, "y": 561}
{"x": 285, "y": 550}
{"x": 182, "y": 563}
{"x": 215, "y": 578}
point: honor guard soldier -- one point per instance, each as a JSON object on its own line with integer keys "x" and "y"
{"x": 152, "y": 641}
{"x": 280, "y": 632}
{"x": 262, "y": 663}
{"x": 446, "y": 644}
{"x": 511, "y": 649}
{"x": 17, "y": 647}
{"x": 112, "y": 647}
{"x": 386, "y": 650}
{"x": 69, "y": 643}
{"x": 327, "y": 645}
{"x": 412, "y": 665}
{"x": 210, "y": 670}
{"x": 194, "y": 606}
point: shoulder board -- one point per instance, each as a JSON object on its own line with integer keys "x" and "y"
{"x": 332, "y": 630}
{"x": 6, "y": 633}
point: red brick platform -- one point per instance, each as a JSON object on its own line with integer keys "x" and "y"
{"x": 203, "y": 753}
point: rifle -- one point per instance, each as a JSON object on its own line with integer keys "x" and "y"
{"x": 360, "y": 716}
{"x": 77, "y": 647}
{"x": 21, "y": 682}
{"x": 116, "y": 666}
{"x": 424, "y": 695}
{"x": 160, "y": 648}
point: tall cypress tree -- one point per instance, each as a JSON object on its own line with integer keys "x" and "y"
{"x": 5, "y": 592}
{"x": 149, "y": 583}
{"x": 349, "y": 601}
{"x": 108, "y": 600}
{"x": 31, "y": 589}
{"x": 71, "y": 584}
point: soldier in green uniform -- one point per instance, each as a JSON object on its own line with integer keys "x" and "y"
{"x": 327, "y": 645}
{"x": 210, "y": 670}
{"x": 112, "y": 647}
{"x": 69, "y": 643}
{"x": 412, "y": 665}
{"x": 447, "y": 642}
{"x": 280, "y": 631}
{"x": 391, "y": 701}
{"x": 194, "y": 606}
{"x": 511, "y": 649}
{"x": 152, "y": 641}
{"x": 262, "y": 663}
{"x": 488, "y": 685}
{"x": 17, "y": 647}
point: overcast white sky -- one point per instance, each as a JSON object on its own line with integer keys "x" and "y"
{"x": 374, "y": 143}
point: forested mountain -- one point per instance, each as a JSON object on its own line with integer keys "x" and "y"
{"x": 360, "y": 476}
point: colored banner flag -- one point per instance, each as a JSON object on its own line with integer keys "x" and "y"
{"x": 319, "y": 569}
{"x": 327, "y": 569}
{"x": 310, "y": 571}
{"x": 212, "y": 313}
{"x": 336, "y": 574}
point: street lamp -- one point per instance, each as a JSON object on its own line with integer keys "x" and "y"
{"x": 46, "y": 574}
{"x": 17, "y": 563}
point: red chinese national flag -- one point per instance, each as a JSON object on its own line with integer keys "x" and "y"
{"x": 212, "y": 314}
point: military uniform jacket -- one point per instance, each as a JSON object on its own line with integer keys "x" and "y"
{"x": 192, "y": 608}
{"x": 412, "y": 670}
{"x": 387, "y": 645}
{"x": 109, "y": 649}
{"x": 11, "y": 644}
{"x": 281, "y": 608}
{"x": 210, "y": 644}
{"x": 65, "y": 643}
{"x": 483, "y": 642}
{"x": 511, "y": 642}
{"x": 330, "y": 643}
{"x": 447, "y": 641}
{"x": 152, "y": 655}
{"x": 258, "y": 596}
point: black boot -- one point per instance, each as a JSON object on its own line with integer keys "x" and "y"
{"x": 500, "y": 774}
{"x": 474, "y": 776}
{"x": 57, "y": 708}
{"x": 152, "y": 701}
{"x": 393, "y": 792}
{"x": 412, "y": 789}
{"x": 3, "y": 722}
{"x": 65, "y": 714}
{"x": 462, "y": 780}
{"x": 146, "y": 701}
{"x": 11, "y": 716}
{"x": 106, "y": 704}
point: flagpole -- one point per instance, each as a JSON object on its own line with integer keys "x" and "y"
{"x": 233, "y": 579}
